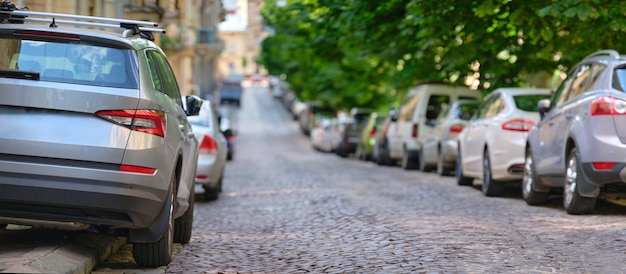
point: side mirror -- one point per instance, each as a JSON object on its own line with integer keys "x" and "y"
{"x": 394, "y": 115}
{"x": 543, "y": 106}
{"x": 194, "y": 103}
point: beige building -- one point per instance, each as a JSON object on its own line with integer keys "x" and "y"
{"x": 242, "y": 32}
{"x": 190, "y": 41}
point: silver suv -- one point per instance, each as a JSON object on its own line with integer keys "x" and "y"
{"x": 94, "y": 131}
{"x": 580, "y": 142}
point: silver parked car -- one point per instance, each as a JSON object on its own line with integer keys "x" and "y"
{"x": 94, "y": 131}
{"x": 580, "y": 143}
{"x": 212, "y": 151}
{"x": 440, "y": 146}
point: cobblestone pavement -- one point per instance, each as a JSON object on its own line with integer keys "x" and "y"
{"x": 287, "y": 208}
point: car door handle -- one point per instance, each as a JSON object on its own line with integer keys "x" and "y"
{"x": 569, "y": 115}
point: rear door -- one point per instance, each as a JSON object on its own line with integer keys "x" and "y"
{"x": 52, "y": 90}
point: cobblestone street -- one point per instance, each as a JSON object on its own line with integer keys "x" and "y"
{"x": 287, "y": 208}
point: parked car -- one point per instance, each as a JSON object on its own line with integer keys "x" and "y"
{"x": 380, "y": 151}
{"x": 212, "y": 151}
{"x": 352, "y": 132}
{"x": 306, "y": 116}
{"x": 418, "y": 111}
{"x": 440, "y": 146}
{"x": 580, "y": 143}
{"x": 321, "y": 124}
{"x": 491, "y": 146}
{"x": 367, "y": 140}
{"x": 231, "y": 90}
{"x": 95, "y": 134}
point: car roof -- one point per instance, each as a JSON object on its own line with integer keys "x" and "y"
{"x": 131, "y": 34}
{"x": 522, "y": 91}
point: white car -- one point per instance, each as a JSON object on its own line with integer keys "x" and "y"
{"x": 416, "y": 118}
{"x": 492, "y": 145}
{"x": 440, "y": 146}
{"x": 212, "y": 151}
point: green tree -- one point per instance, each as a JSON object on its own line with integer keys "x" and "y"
{"x": 368, "y": 53}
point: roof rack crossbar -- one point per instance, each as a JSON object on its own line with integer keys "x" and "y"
{"x": 608, "y": 52}
{"x": 21, "y": 13}
{"x": 86, "y": 24}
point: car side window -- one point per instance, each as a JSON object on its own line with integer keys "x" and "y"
{"x": 154, "y": 72}
{"x": 484, "y": 106}
{"x": 435, "y": 104}
{"x": 162, "y": 76}
{"x": 619, "y": 78}
{"x": 560, "y": 96}
{"x": 580, "y": 82}
{"x": 596, "y": 71}
{"x": 406, "y": 112}
{"x": 168, "y": 78}
{"x": 496, "y": 106}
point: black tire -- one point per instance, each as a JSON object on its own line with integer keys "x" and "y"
{"x": 229, "y": 155}
{"x": 212, "y": 194}
{"x": 423, "y": 166}
{"x": 409, "y": 162}
{"x": 460, "y": 178}
{"x": 529, "y": 180}
{"x": 572, "y": 201}
{"x": 491, "y": 187}
{"x": 341, "y": 151}
{"x": 159, "y": 253}
{"x": 183, "y": 224}
{"x": 442, "y": 170}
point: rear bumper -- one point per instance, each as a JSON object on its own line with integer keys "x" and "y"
{"x": 81, "y": 195}
{"x": 209, "y": 170}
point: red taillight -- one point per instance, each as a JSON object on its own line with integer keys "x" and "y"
{"x": 607, "y": 105}
{"x": 414, "y": 130}
{"x": 373, "y": 132}
{"x": 207, "y": 145}
{"x": 137, "y": 169}
{"x": 143, "y": 120}
{"x": 456, "y": 128}
{"x": 202, "y": 177}
{"x": 518, "y": 125}
{"x": 47, "y": 34}
{"x": 603, "y": 165}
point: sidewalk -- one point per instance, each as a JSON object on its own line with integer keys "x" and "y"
{"x": 48, "y": 251}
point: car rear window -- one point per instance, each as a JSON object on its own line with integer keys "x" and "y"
{"x": 466, "y": 111}
{"x": 529, "y": 102}
{"x": 70, "y": 63}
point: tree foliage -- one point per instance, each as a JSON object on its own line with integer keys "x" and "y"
{"x": 368, "y": 53}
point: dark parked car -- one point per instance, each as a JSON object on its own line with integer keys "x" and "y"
{"x": 231, "y": 90}
{"x": 352, "y": 133}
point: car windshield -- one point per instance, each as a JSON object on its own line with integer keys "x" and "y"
{"x": 529, "y": 102}
{"x": 70, "y": 63}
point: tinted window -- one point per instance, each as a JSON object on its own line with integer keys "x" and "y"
{"x": 619, "y": 78}
{"x": 71, "y": 63}
{"x": 465, "y": 111}
{"x": 162, "y": 76}
{"x": 435, "y": 104}
{"x": 528, "y": 102}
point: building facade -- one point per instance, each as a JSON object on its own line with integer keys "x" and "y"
{"x": 242, "y": 32}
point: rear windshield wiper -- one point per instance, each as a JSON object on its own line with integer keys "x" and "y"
{"x": 19, "y": 74}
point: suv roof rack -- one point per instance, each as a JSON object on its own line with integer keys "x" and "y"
{"x": 606, "y": 52}
{"x": 131, "y": 27}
